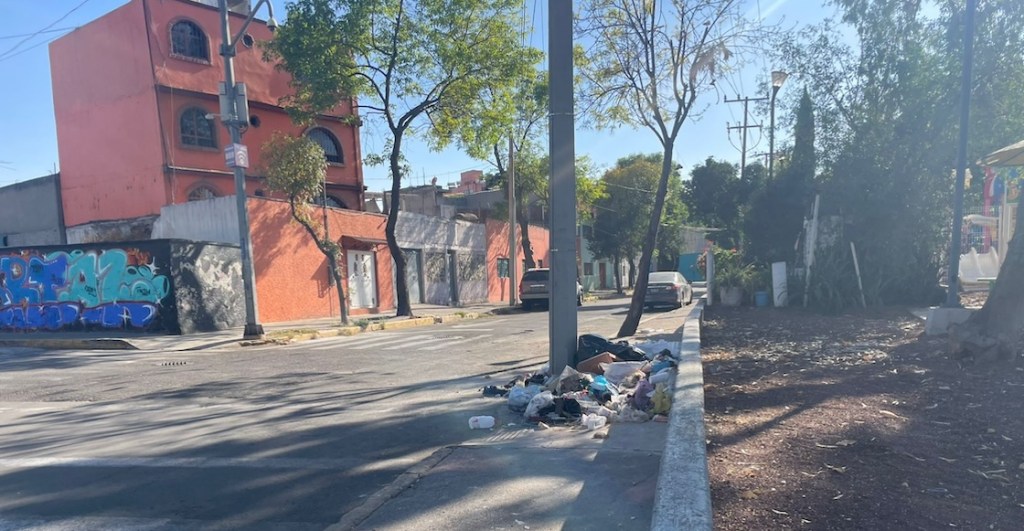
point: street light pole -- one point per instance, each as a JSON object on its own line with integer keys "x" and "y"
{"x": 230, "y": 116}
{"x": 778, "y": 78}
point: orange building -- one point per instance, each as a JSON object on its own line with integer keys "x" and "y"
{"x": 136, "y": 97}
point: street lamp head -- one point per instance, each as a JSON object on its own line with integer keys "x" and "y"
{"x": 272, "y": 24}
{"x": 778, "y": 78}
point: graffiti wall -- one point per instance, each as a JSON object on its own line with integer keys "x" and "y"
{"x": 82, "y": 289}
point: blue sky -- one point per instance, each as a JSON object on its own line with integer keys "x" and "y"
{"x": 28, "y": 143}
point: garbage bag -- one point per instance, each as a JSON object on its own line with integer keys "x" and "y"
{"x": 618, "y": 371}
{"x": 642, "y": 396}
{"x": 519, "y": 397}
{"x": 537, "y": 403}
{"x": 662, "y": 400}
{"x": 569, "y": 381}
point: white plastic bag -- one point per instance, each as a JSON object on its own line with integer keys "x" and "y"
{"x": 618, "y": 371}
{"x": 538, "y": 403}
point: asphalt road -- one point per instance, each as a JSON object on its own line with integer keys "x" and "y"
{"x": 271, "y": 437}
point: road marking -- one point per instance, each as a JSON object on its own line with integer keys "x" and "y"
{"x": 473, "y": 329}
{"x": 422, "y": 341}
{"x": 456, "y": 342}
{"x": 180, "y": 462}
{"x": 388, "y": 341}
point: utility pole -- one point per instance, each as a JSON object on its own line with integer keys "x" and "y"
{"x": 743, "y": 128}
{"x": 511, "y": 183}
{"x": 562, "y": 298}
{"x": 234, "y": 112}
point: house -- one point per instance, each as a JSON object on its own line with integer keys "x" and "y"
{"x": 136, "y": 103}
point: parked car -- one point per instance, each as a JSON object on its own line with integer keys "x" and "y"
{"x": 667, "y": 288}
{"x": 536, "y": 286}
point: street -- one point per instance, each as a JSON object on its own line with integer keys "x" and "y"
{"x": 268, "y": 437}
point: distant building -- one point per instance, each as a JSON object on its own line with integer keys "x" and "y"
{"x": 136, "y": 97}
{"x": 470, "y": 182}
{"x": 31, "y": 213}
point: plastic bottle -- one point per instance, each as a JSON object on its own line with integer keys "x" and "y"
{"x": 481, "y": 423}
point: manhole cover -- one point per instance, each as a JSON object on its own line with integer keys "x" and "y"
{"x": 174, "y": 363}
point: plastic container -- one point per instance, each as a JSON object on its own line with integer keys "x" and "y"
{"x": 483, "y": 422}
{"x": 593, "y": 422}
{"x": 761, "y": 299}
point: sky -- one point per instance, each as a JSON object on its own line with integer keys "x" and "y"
{"x": 28, "y": 142}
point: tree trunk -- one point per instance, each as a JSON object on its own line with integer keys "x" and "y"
{"x": 618, "y": 273}
{"x": 403, "y": 307}
{"x": 636, "y": 305}
{"x": 996, "y": 332}
{"x": 632, "y": 271}
{"x": 523, "y": 217}
{"x": 332, "y": 263}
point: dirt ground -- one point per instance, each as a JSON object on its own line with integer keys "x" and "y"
{"x": 856, "y": 422}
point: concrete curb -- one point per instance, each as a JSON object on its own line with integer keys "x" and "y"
{"x": 70, "y": 344}
{"x": 683, "y": 499}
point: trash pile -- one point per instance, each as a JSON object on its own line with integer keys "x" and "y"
{"x": 611, "y": 382}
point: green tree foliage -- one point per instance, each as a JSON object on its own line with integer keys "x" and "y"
{"x": 646, "y": 66}
{"x": 888, "y": 124}
{"x": 423, "y": 67}
{"x": 715, "y": 196}
{"x": 776, "y": 214}
{"x": 296, "y": 168}
{"x": 622, "y": 210}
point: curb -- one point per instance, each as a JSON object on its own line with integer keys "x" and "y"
{"x": 70, "y": 344}
{"x": 683, "y": 499}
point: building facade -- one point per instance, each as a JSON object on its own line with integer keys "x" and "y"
{"x": 31, "y": 213}
{"x": 136, "y": 104}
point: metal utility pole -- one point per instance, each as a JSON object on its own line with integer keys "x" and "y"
{"x": 743, "y": 128}
{"x": 234, "y": 114}
{"x": 778, "y": 78}
{"x": 562, "y": 301}
{"x": 511, "y": 223}
{"x": 953, "y": 293}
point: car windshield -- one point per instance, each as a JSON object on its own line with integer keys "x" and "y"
{"x": 537, "y": 275}
{"x": 662, "y": 277}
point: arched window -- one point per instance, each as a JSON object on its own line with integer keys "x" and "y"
{"x": 188, "y": 40}
{"x": 203, "y": 191}
{"x": 332, "y": 149}
{"x": 332, "y": 202}
{"x": 197, "y": 129}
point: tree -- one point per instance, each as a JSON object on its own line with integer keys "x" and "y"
{"x": 775, "y": 219}
{"x": 647, "y": 64}
{"x": 714, "y": 196}
{"x": 419, "y": 67}
{"x": 296, "y": 168}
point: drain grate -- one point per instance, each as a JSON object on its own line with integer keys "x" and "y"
{"x": 174, "y": 363}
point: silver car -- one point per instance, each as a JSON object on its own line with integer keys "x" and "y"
{"x": 667, "y": 288}
{"x": 536, "y": 285}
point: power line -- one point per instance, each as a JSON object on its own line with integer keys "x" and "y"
{"x": 55, "y": 30}
{"x": 32, "y": 35}
{"x": 30, "y": 48}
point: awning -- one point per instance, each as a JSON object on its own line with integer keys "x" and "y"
{"x": 360, "y": 242}
{"x": 1012, "y": 155}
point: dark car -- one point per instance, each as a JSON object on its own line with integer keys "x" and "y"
{"x": 536, "y": 286}
{"x": 667, "y": 288}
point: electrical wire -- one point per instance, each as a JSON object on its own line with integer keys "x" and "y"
{"x": 55, "y": 30}
{"x": 6, "y": 54}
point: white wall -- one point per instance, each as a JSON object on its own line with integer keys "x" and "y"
{"x": 209, "y": 220}
{"x": 436, "y": 236}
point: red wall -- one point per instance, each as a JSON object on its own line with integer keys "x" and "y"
{"x": 118, "y": 96}
{"x": 107, "y": 132}
{"x": 497, "y": 247}
{"x": 291, "y": 273}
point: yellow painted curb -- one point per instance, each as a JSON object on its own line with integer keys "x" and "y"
{"x": 407, "y": 323}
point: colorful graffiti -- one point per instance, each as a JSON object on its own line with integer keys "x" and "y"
{"x": 110, "y": 288}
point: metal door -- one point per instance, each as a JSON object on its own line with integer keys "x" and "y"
{"x": 361, "y": 280}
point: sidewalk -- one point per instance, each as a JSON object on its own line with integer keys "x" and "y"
{"x": 425, "y": 315}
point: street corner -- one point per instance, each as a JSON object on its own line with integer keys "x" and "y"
{"x": 70, "y": 343}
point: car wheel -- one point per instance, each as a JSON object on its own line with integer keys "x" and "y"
{"x": 579, "y": 300}
{"x": 689, "y": 298}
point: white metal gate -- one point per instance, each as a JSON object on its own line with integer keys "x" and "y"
{"x": 361, "y": 280}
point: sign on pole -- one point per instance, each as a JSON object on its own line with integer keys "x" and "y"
{"x": 236, "y": 156}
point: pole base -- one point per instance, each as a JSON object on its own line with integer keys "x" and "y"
{"x": 253, "y": 331}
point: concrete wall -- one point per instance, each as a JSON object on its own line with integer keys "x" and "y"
{"x": 435, "y": 238}
{"x": 157, "y": 286}
{"x": 30, "y": 213}
{"x": 122, "y": 230}
{"x": 209, "y": 220}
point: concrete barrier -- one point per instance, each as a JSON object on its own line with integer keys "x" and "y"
{"x": 683, "y": 499}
